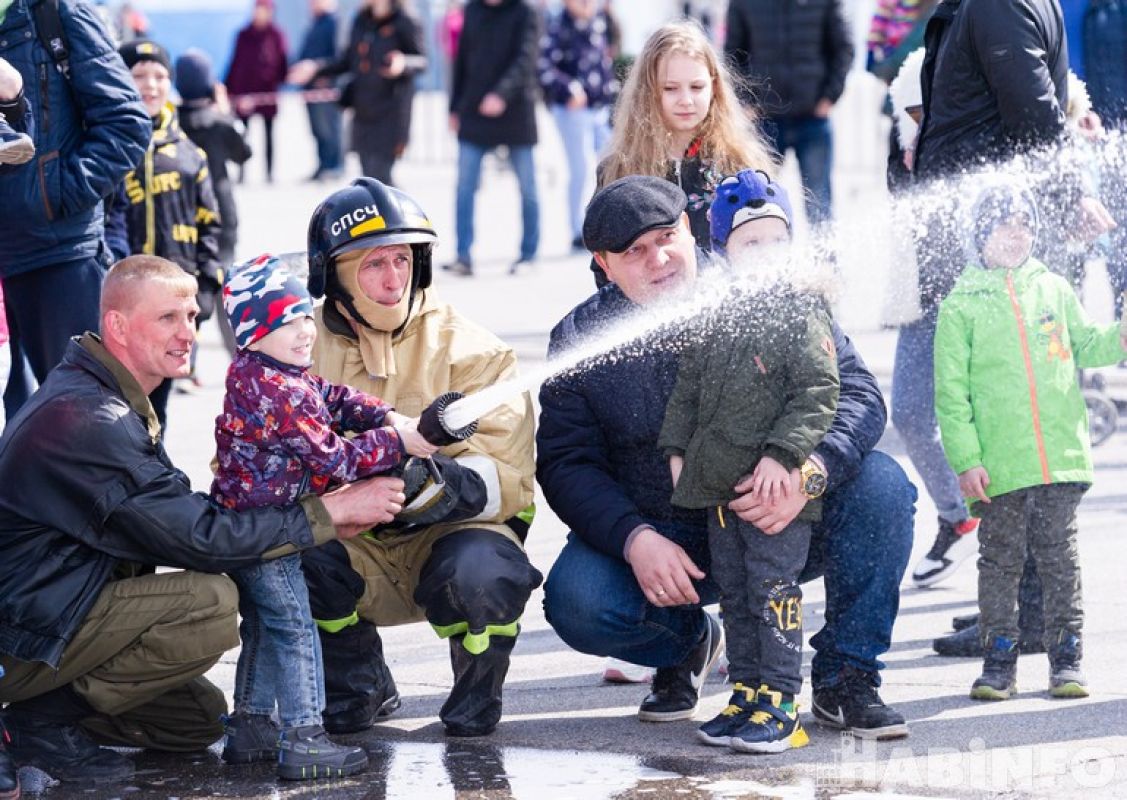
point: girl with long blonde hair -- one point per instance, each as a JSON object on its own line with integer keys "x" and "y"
{"x": 678, "y": 117}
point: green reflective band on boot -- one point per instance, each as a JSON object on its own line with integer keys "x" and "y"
{"x": 337, "y": 625}
{"x": 527, "y": 514}
{"x": 477, "y": 643}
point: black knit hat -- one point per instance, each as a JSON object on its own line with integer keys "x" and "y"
{"x": 144, "y": 50}
{"x": 622, "y": 211}
{"x": 194, "y": 76}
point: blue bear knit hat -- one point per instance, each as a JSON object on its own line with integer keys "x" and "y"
{"x": 748, "y": 195}
{"x": 261, "y": 296}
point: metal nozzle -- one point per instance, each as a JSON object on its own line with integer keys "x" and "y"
{"x": 432, "y": 422}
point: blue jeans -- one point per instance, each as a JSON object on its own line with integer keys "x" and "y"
{"x": 469, "y": 177}
{"x": 812, "y": 140}
{"x": 281, "y": 656}
{"x": 325, "y": 123}
{"x": 861, "y": 547}
{"x": 913, "y": 415}
{"x": 46, "y": 307}
{"x": 585, "y": 132}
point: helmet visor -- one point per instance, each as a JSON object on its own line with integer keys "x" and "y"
{"x": 385, "y": 239}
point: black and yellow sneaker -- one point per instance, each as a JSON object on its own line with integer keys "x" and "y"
{"x": 307, "y": 753}
{"x": 718, "y": 730}
{"x": 773, "y": 726}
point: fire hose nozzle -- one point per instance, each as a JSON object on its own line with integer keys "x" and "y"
{"x": 432, "y": 422}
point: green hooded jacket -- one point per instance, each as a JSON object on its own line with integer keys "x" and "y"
{"x": 761, "y": 380}
{"x": 1007, "y": 348}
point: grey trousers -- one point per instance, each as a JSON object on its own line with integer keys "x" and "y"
{"x": 1042, "y": 521}
{"x": 761, "y": 599}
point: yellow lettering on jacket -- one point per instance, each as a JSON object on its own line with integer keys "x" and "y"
{"x": 133, "y": 189}
{"x": 185, "y": 233}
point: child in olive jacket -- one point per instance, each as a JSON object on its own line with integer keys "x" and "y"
{"x": 1010, "y": 338}
{"x": 754, "y": 395}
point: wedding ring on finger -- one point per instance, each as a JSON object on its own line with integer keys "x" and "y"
{"x": 659, "y": 593}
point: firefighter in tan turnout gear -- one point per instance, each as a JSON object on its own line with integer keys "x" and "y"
{"x": 454, "y": 556}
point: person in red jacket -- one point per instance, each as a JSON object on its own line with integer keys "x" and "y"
{"x": 258, "y": 69}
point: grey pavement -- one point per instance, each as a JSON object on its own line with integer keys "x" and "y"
{"x": 567, "y": 734}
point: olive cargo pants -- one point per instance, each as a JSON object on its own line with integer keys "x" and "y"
{"x": 138, "y": 660}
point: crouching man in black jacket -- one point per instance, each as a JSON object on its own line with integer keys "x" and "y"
{"x": 94, "y": 645}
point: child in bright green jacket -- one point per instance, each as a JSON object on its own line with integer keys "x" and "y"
{"x": 1010, "y": 338}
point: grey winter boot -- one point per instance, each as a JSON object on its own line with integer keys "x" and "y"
{"x": 1065, "y": 677}
{"x": 248, "y": 738}
{"x": 998, "y": 680}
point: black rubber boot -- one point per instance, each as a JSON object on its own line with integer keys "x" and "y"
{"x": 474, "y": 705}
{"x": 43, "y": 732}
{"x": 9, "y": 772}
{"x": 359, "y": 688}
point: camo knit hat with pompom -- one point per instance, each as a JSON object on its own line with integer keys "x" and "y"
{"x": 261, "y": 296}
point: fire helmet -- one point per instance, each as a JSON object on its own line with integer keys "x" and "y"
{"x": 366, "y": 214}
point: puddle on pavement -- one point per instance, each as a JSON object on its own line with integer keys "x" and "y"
{"x": 451, "y": 771}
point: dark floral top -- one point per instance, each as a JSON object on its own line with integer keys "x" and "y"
{"x": 279, "y": 435}
{"x": 570, "y": 51}
{"x": 698, "y": 178}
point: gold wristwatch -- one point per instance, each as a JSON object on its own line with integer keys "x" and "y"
{"x": 812, "y": 479}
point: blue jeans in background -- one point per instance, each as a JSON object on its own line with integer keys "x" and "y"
{"x": 325, "y": 122}
{"x": 585, "y": 132}
{"x": 812, "y": 140}
{"x": 45, "y": 307}
{"x": 469, "y": 177}
{"x": 913, "y": 415}
{"x": 280, "y": 661}
{"x": 861, "y": 547}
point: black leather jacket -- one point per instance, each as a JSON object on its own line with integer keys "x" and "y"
{"x": 89, "y": 494}
{"x": 994, "y": 82}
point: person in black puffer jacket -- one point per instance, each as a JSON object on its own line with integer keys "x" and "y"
{"x": 493, "y": 104}
{"x": 795, "y": 57}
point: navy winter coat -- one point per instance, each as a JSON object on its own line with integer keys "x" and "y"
{"x": 88, "y": 133}
{"x": 597, "y": 457}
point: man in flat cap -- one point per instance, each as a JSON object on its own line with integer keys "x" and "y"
{"x": 633, "y": 578}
